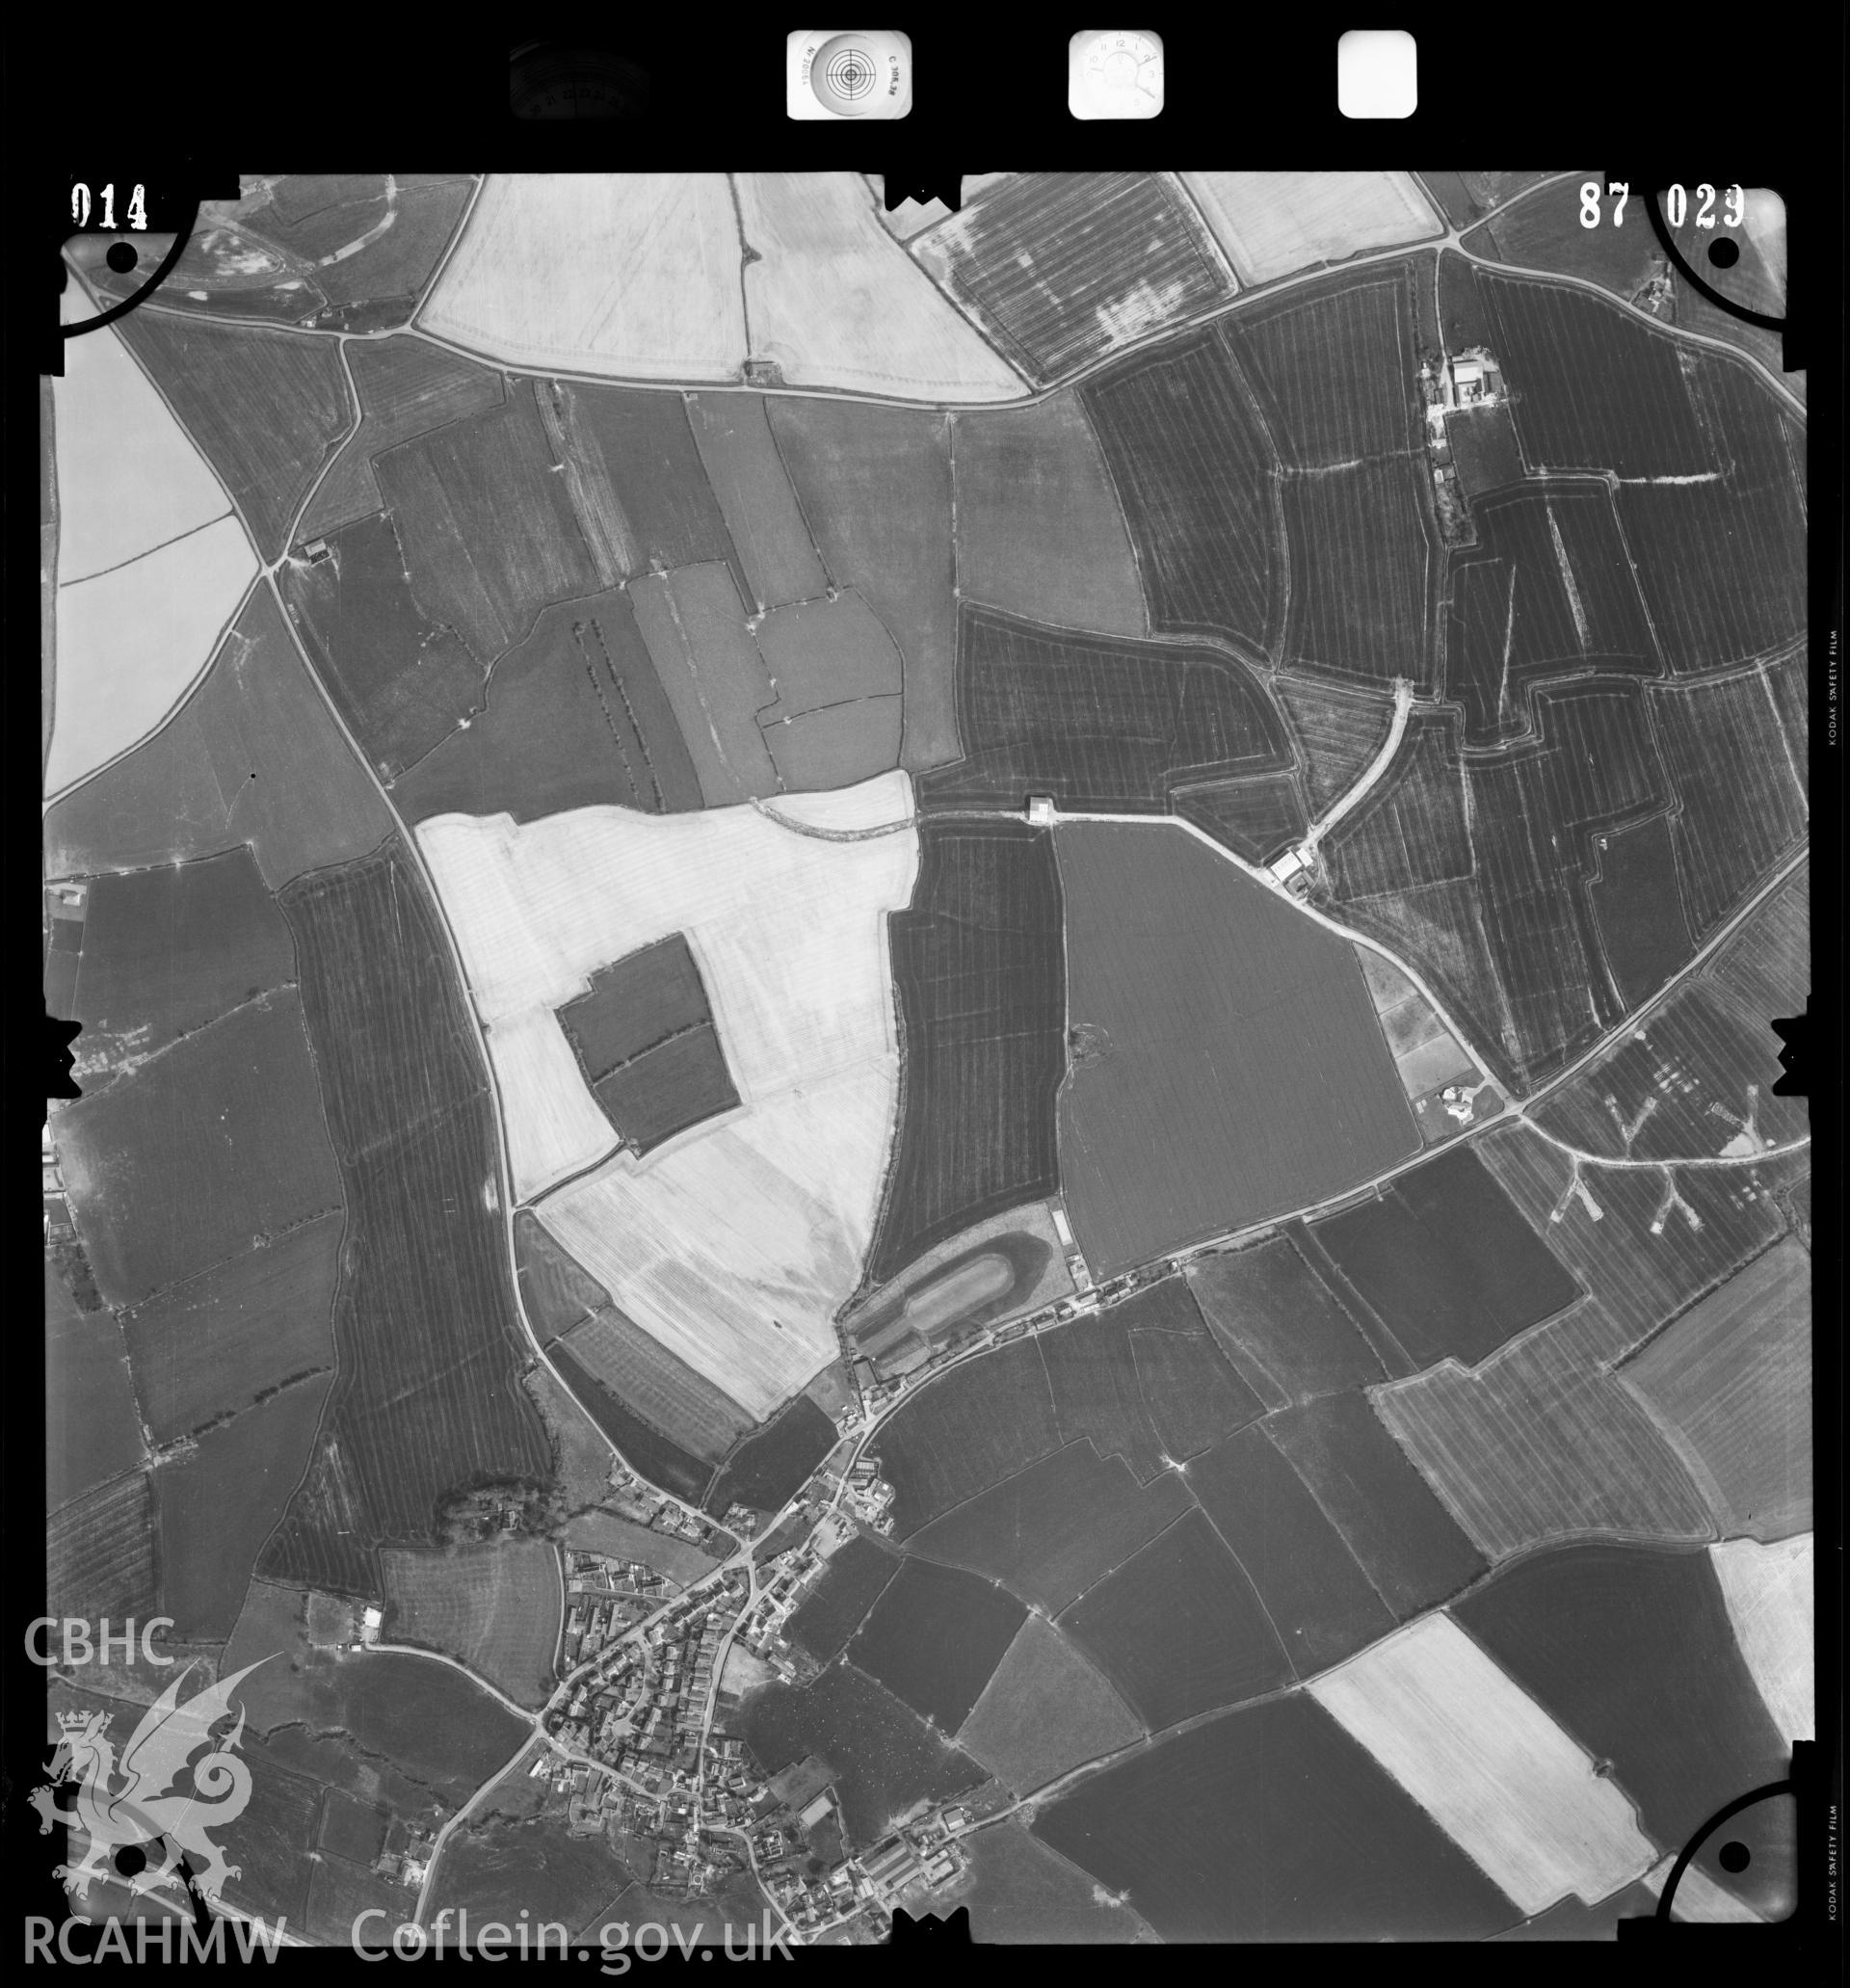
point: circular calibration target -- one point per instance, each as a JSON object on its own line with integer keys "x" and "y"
{"x": 845, "y": 76}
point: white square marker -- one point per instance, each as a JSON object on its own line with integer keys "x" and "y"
{"x": 853, "y": 72}
{"x": 1377, "y": 74}
{"x": 1115, "y": 72}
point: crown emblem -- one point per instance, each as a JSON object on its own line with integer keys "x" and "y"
{"x": 77, "y": 1721}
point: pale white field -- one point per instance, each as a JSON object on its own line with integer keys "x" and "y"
{"x": 1700, "y": 1901}
{"x": 630, "y": 273}
{"x": 1270, "y": 224}
{"x": 1769, "y": 1592}
{"x": 1489, "y": 1765}
{"x": 554, "y": 1126}
{"x": 735, "y": 1242}
{"x": 128, "y": 476}
{"x": 131, "y": 641}
{"x": 836, "y": 301}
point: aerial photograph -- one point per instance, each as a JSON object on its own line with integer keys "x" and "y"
{"x": 922, "y": 1063}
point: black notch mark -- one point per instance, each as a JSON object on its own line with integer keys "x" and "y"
{"x": 949, "y": 1929}
{"x": 1795, "y": 1059}
{"x": 55, "y": 1052}
{"x": 947, "y": 186}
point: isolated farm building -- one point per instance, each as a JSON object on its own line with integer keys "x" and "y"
{"x": 1041, "y": 810}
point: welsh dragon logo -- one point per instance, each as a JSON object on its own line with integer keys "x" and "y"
{"x": 134, "y": 1801}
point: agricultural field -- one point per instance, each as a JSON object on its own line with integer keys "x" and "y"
{"x": 1442, "y": 1259}
{"x": 411, "y": 1415}
{"x": 1413, "y": 827}
{"x": 1192, "y": 466}
{"x": 1632, "y": 1650}
{"x": 1361, "y": 567}
{"x": 252, "y": 757}
{"x": 787, "y": 928}
{"x": 1279, "y": 1324}
{"x": 193, "y": 1158}
{"x": 405, "y": 388}
{"x": 1769, "y": 1594}
{"x": 1638, "y": 909}
{"x": 1178, "y": 1628}
{"x": 1045, "y": 265}
{"x": 1052, "y": 1530}
{"x": 885, "y": 1758}
{"x": 1271, "y": 1824}
{"x": 874, "y": 485}
{"x": 1038, "y": 531}
{"x": 680, "y": 316}
{"x": 132, "y": 640}
{"x": 829, "y": 299}
{"x": 823, "y": 652}
{"x": 1095, "y": 723}
{"x": 576, "y": 717}
{"x": 1596, "y": 388}
{"x": 1257, "y": 819}
{"x": 769, "y": 1465}
{"x": 220, "y": 1501}
{"x": 93, "y": 1430}
{"x": 853, "y": 1581}
{"x": 1542, "y": 231}
{"x": 1664, "y": 1235}
{"x": 496, "y": 1607}
{"x": 1743, "y": 807}
{"x": 401, "y": 682}
{"x": 1766, "y": 965}
{"x": 219, "y": 1343}
{"x": 1020, "y": 1892}
{"x": 1539, "y": 1444}
{"x": 739, "y": 454}
{"x": 1484, "y": 449}
{"x": 1489, "y": 1765}
{"x": 166, "y": 952}
{"x": 641, "y": 1373}
{"x": 267, "y": 409}
{"x": 1408, "y": 1544}
{"x": 1167, "y": 944}
{"x": 99, "y": 1551}
{"x": 1270, "y": 224}
{"x": 934, "y": 1637}
{"x": 1043, "y": 1711}
{"x": 502, "y": 1868}
{"x": 981, "y": 1422}
{"x": 1729, "y": 1383}
{"x": 1333, "y": 369}
{"x": 977, "y": 963}
{"x": 1547, "y": 591}
{"x": 715, "y": 678}
{"x": 1315, "y": 1593}
{"x": 1339, "y": 733}
{"x": 642, "y": 1446}
{"x": 1426, "y": 1054}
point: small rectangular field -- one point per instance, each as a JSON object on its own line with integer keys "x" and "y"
{"x": 762, "y": 516}
{"x": 1272, "y": 223}
{"x": 1060, "y": 268}
{"x": 494, "y": 1606}
{"x": 1730, "y": 1385}
{"x": 1038, "y": 531}
{"x": 976, "y": 957}
{"x": 1360, "y": 567}
{"x": 1219, "y": 1011}
{"x": 1504, "y": 1781}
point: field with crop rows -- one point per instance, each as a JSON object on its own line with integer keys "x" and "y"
{"x": 1340, "y": 731}
{"x": 644, "y": 1375}
{"x": 99, "y": 1551}
{"x": 496, "y": 1607}
{"x": 1193, "y": 470}
{"x": 1594, "y": 389}
{"x": 1742, "y": 804}
{"x": 1361, "y": 572}
{"x": 411, "y": 1415}
{"x": 1043, "y": 1710}
{"x": 1279, "y": 1324}
{"x": 1095, "y": 721}
{"x": 1060, "y": 268}
{"x": 267, "y": 409}
{"x": 874, "y": 487}
{"x": 1638, "y": 909}
{"x": 1271, "y": 1823}
{"x": 1766, "y": 965}
{"x": 1272, "y": 223}
{"x": 1038, "y": 531}
{"x": 1730, "y": 1385}
{"x": 1333, "y": 369}
{"x": 978, "y": 964}
{"x": 1632, "y": 1650}
{"x": 1540, "y": 1445}
{"x": 253, "y": 757}
{"x": 1413, "y": 828}
{"x": 1257, "y": 819}
{"x": 1169, "y": 945}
